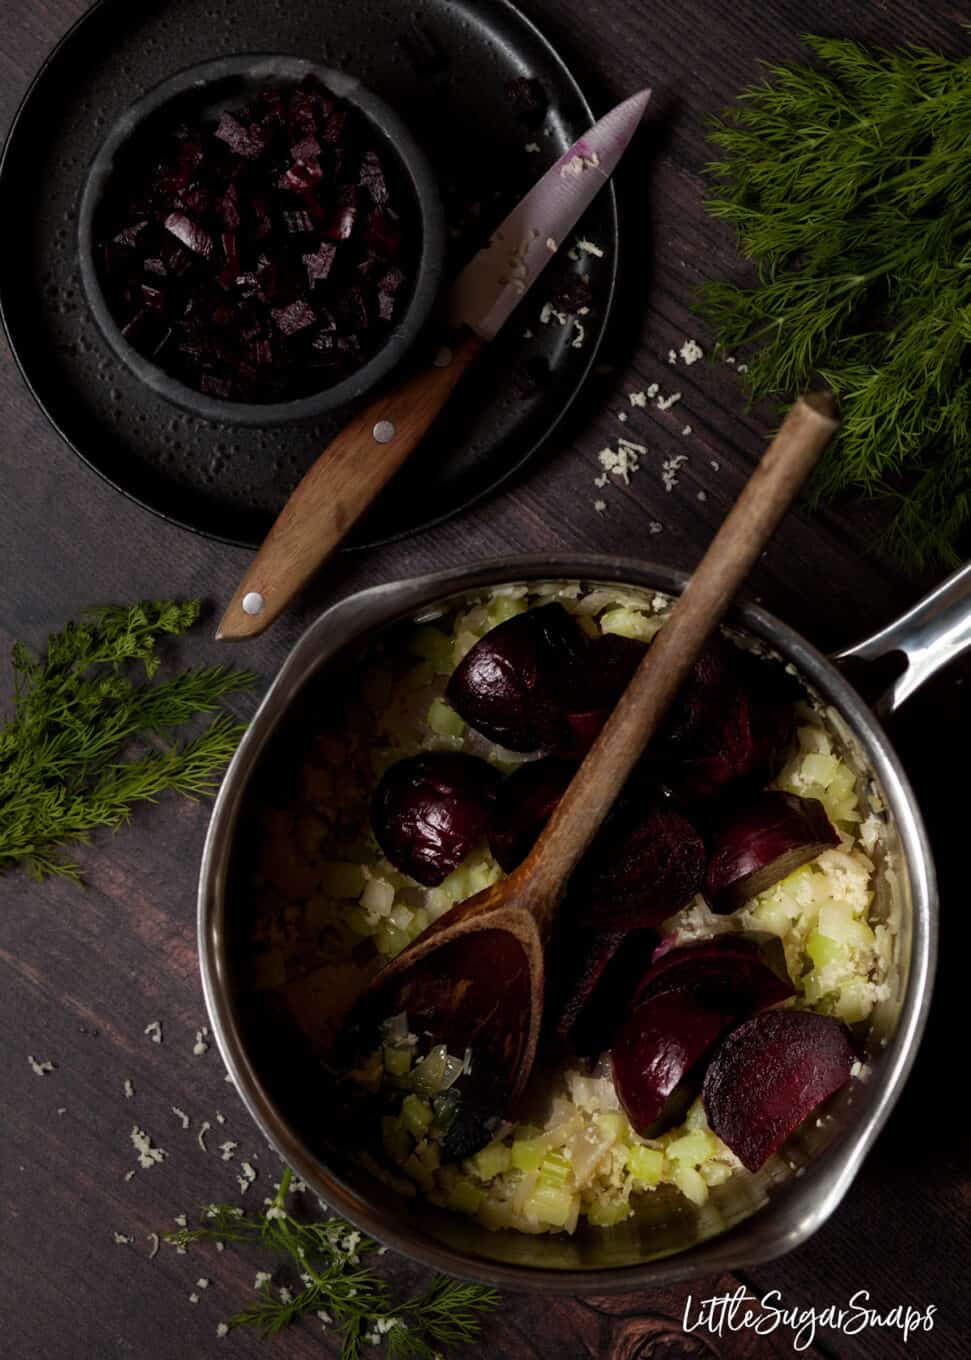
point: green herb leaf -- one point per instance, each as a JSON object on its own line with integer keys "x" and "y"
{"x": 337, "y": 1288}
{"x": 851, "y": 188}
{"x": 78, "y": 711}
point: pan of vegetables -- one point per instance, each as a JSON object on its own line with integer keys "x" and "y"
{"x": 742, "y": 967}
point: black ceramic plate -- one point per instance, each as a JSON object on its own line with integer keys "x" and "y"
{"x": 445, "y": 65}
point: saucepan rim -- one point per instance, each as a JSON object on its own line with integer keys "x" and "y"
{"x": 795, "y": 1210}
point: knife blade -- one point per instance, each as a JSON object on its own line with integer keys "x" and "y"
{"x": 359, "y": 462}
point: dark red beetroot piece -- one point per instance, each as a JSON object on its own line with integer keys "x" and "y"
{"x": 732, "y": 719}
{"x": 760, "y": 843}
{"x": 523, "y": 806}
{"x": 646, "y": 864}
{"x": 593, "y": 684}
{"x": 432, "y": 810}
{"x": 507, "y": 686}
{"x": 657, "y": 1050}
{"x": 741, "y": 972}
{"x": 769, "y": 1075}
{"x": 592, "y": 975}
{"x": 272, "y": 241}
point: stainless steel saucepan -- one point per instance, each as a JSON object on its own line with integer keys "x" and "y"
{"x": 749, "y": 1218}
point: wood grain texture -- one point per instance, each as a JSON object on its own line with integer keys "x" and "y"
{"x": 82, "y": 974}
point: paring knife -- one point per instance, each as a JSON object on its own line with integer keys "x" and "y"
{"x": 351, "y": 471}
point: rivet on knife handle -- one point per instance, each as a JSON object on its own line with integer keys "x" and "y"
{"x": 339, "y": 487}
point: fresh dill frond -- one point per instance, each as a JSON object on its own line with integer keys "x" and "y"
{"x": 850, "y": 186}
{"x": 67, "y": 767}
{"x": 338, "y": 1289}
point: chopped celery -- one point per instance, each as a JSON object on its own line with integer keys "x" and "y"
{"x": 555, "y": 1169}
{"x": 492, "y": 1161}
{"x": 629, "y": 623}
{"x": 401, "y": 917}
{"x": 341, "y": 880}
{"x": 397, "y": 1061}
{"x": 691, "y": 1184}
{"x": 645, "y": 1164}
{"x": 527, "y": 1154}
{"x": 823, "y": 950}
{"x": 553, "y": 1204}
{"x": 820, "y": 769}
{"x": 430, "y": 1072}
{"x": 416, "y": 1115}
{"x": 390, "y": 940}
{"x": 443, "y": 720}
{"x": 692, "y": 1148}
{"x": 605, "y": 1212}
{"x": 465, "y": 1196}
{"x": 854, "y": 1002}
{"x": 503, "y": 607}
{"x": 434, "y": 646}
{"x": 613, "y": 1125}
{"x": 377, "y": 897}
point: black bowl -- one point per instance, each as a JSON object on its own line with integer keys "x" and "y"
{"x": 226, "y": 84}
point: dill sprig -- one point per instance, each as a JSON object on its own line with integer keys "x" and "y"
{"x": 79, "y": 708}
{"x": 851, "y": 188}
{"x": 337, "y": 1288}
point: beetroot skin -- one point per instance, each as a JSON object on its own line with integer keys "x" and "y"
{"x": 769, "y": 1075}
{"x": 593, "y": 974}
{"x": 524, "y": 805}
{"x": 658, "y": 1047}
{"x": 645, "y": 865}
{"x": 758, "y": 844}
{"x": 432, "y": 810}
{"x": 738, "y": 972}
{"x": 508, "y": 685}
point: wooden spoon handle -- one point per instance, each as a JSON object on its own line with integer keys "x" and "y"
{"x": 339, "y": 487}
{"x": 773, "y": 486}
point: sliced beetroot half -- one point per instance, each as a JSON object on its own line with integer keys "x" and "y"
{"x": 657, "y": 1050}
{"x": 646, "y": 864}
{"x": 508, "y": 684}
{"x": 769, "y": 1075}
{"x": 743, "y": 973}
{"x": 523, "y": 806}
{"x": 761, "y": 842}
{"x": 592, "y": 686}
{"x": 592, "y": 975}
{"x": 431, "y": 810}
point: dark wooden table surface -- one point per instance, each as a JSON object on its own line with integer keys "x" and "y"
{"x": 83, "y": 973}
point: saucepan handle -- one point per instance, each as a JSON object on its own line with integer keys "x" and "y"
{"x": 934, "y": 632}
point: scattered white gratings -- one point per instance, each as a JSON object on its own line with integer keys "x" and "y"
{"x": 148, "y": 1154}
{"x": 665, "y": 403}
{"x": 586, "y": 247}
{"x": 40, "y": 1066}
{"x": 128, "y": 1088}
{"x": 154, "y": 1031}
{"x": 181, "y": 1116}
{"x": 669, "y": 470}
{"x": 246, "y": 1177}
{"x": 691, "y": 352}
{"x": 204, "y": 1128}
{"x": 201, "y": 1044}
{"x": 531, "y": 147}
{"x": 600, "y": 506}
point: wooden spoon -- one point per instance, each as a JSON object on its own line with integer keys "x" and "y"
{"x": 475, "y": 978}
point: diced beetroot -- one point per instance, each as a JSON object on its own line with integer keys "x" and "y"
{"x": 373, "y": 180}
{"x": 741, "y": 973}
{"x": 297, "y": 317}
{"x": 221, "y": 224}
{"x": 320, "y": 262}
{"x": 645, "y": 864}
{"x": 769, "y": 1075}
{"x": 507, "y": 685}
{"x": 592, "y": 975}
{"x": 523, "y": 805}
{"x": 189, "y": 233}
{"x": 594, "y": 684}
{"x": 756, "y": 845}
{"x": 430, "y": 811}
{"x": 658, "y": 1048}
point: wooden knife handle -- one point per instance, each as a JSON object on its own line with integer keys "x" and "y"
{"x": 340, "y": 486}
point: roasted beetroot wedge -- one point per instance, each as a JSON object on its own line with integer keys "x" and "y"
{"x": 744, "y": 973}
{"x": 761, "y": 842}
{"x": 769, "y": 1075}
{"x": 523, "y": 806}
{"x": 508, "y": 686}
{"x": 431, "y": 810}
{"x": 593, "y": 974}
{"x": 658, "y": 1048}
{"x": 592, "y": 686}
{"x": 646, "y": 864}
